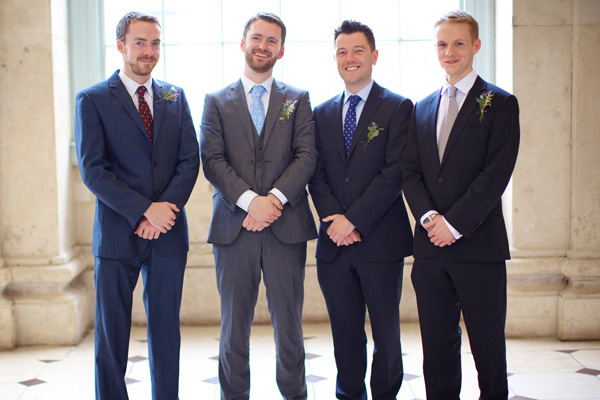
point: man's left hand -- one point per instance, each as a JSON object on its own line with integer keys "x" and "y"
{"x": 340, "y": 228}
{"x": 145, "y": 230}
{"x": 439, "y": 234}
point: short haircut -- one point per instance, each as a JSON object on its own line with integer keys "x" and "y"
{"x": 269, "y": 17}
{"x": 350, "y": 26}
{"x": 130, "y": 17}
{"x": 460, "y": 17}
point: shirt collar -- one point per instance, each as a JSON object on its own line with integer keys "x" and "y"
{"x": 362, "y": 93}
{"x": 464, "y": 85}
{"x": 131, "y": 85}
{"x": 249, "y": 84}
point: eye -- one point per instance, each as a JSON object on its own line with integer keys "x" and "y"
{"x": 273, "y": 41}
{"x": 155, "y": 44}
{"x": 341, "y": 53}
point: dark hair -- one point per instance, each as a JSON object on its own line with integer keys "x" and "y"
{"x": 350, "y": 26}
{"x": 459, "y": 16}
{"x": 269, "y": 17}
{"x": 130, "y": 17}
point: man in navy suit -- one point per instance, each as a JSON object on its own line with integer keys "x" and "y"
{"x": 258, "y": 150}
{"x": 365, "y": 231}
{"x": 460, "y": 154}
{"x": 138, "y": 153}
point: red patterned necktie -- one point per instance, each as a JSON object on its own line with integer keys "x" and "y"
{"x": 145, "y": 110}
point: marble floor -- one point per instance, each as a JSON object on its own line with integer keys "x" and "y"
{"x": 538, "y": 368}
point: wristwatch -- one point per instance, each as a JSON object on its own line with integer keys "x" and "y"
{"x": 430, "y": 218}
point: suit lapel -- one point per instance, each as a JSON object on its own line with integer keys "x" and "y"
{"x": 338, "y": 128}
{"x": 119, "y": 91}
{"x": 431, "y": 123}
{"x": 276, "y": 100}
{"x": 238, "y": 99}
{"x": 159, "y": 108}
{"x": 371, "y": 105}
{"x": 466, "y": 111}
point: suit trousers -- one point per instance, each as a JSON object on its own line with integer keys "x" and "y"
{"x": 239, "y": 266}
{"x": 163, "y": 284}
{"x": 444, "y": 288}
{"x": 350, "y": 286}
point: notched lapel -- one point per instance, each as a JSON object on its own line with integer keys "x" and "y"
{"x": 119, "y": 91}
{"x": 371, "y": 105}
{"x": 468, "y": 108}
{"x": 276, "y": 101}
{"x": 338, "y": 127}
{"x": 238, "y": 99}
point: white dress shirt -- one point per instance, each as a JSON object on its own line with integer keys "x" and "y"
{"x": 462, "y": 89}
{"x": 363, "y": 94}
{"x": 246, "y": 198}
{"x": 131, "y": 86}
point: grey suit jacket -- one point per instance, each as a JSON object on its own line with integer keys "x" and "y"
{"x": 235, "y": 158}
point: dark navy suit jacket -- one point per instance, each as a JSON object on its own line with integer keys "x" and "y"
{"x": 365, "y": 186}
{"x": 127, "y": 172}
{"x": 466, "y": 187}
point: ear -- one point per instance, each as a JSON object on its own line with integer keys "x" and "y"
{"x": 120, "y": 46}
{"x": 477, "y": 46}
{"x": 375, "y": 56}
{"x": 243, "y": 45}
{"x": 280, "y": 53}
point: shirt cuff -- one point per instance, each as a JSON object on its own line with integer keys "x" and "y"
{"x": 427, "y": 214}
{"x": 244, "y": 201}
{"x": 279, "y": 195}
{"x": 454, "y": 232}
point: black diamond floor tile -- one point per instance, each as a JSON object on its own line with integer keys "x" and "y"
{"x": 32, "y": 382}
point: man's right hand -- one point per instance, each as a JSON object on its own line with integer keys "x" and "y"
{"x": 162, "y": 215}
{"x": 265, "y": 209}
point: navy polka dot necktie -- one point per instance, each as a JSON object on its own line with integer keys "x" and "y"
{"x": 350, "y": 121}
{"x": 144, "y": 110}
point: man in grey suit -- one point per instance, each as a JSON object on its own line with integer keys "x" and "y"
{"x": 258, "y": 150}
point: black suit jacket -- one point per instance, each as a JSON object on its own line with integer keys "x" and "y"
{"x": 366, "y": 185}
{"x": 467, "y": 186}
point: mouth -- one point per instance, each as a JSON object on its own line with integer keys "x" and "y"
{"x": 352, "y": 68}
{"x": 264, "y": 56}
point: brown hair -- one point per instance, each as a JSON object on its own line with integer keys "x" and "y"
{"x": 459, "y": 16}
{"x": 130, "y": 17}
{"x": 269, "y": 17}
{"x": 350, "y": 26}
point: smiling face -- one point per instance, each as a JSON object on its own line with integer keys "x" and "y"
{"x": 456, "y": 49}
{"x": 262, "y": 47}
{"x": 141, "y": 50}
{"x": 355, "y": 60}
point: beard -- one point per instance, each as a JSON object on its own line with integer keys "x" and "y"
{"x": 259, "y": 68}
{"x": 142, "y": 69}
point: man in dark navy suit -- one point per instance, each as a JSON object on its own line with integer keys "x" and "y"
{"x": 460, "y": 154}
{"x": 138, "y": 153}
{"x": 365, "y": 232}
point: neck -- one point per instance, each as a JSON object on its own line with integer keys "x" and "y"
{"x": 141, "y": 79}
{"x": 357, "y": 87}
{"x": 257, "y": 77}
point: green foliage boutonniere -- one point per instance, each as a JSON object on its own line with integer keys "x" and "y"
{"x": 372, "y": 134}
{"x": 288, "y": 109}
{"x": 169, "y": 95}
{"x": 484, "y": 100}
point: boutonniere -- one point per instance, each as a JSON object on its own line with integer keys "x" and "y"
{"x": 484, "y": 100}
{"x": 288, "y": 109}
{"x": 372, "y": 134}
{"x": 169, "y": 95}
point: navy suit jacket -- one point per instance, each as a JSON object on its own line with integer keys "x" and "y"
{"x": 365, "y": 186}
{"x": 466, "y": 187}
{"x": 236, "y": 159}
{"x": 127, "y": 172}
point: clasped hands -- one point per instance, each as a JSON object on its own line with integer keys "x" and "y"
{"x": 438, "y": 232}
{"x": 262, "y": 212}
{"x": 341, "y": 230}
{"x": 158, "y": 218}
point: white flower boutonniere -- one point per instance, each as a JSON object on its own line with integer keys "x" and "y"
{"x": 288, "y": 109}
{"x": 169, "y": 95}
{"x": 484, "y": 100}
{"x": 372, "y": 134}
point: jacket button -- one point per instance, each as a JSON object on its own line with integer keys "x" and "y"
{"x": 155, "y": 164}
{"x": 251, "y": 162}
{"x": 259, "y": 181}
{"x": 347, "y": 179}
{"x": 258, "y": 165}
{"x": 260, "y": 149}
{"x": 440, "y": 180}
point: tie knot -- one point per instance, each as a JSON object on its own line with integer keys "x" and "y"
{"x": 354, "y": 99}
{"x": 258, "y": 90}
{"x": 451, "y": 91}
{"x": 141, "y": 91}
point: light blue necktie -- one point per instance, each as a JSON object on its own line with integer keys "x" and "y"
{"x": 350, "y": 121}
{"x": 257, "y": 109}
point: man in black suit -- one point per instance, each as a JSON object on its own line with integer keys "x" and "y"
{"x": 365, "y": 232}
{"x": 460, "y": 154}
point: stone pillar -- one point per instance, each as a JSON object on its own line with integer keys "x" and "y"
{"x": 555, "y": 277}
{"x": 48, "y": 301}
